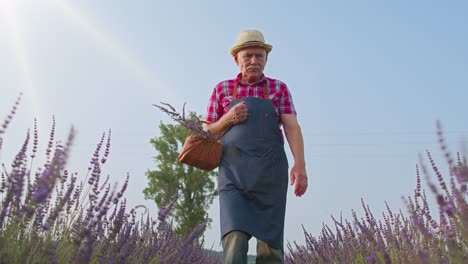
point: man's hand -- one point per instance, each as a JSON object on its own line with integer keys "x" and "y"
{"x": 299, "y": 177}
{"x": 238, "y": 113}
{"x": 235, "y": 115}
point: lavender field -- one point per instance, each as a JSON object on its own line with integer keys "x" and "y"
{"x": 412, "y": 235}
{"x": 49, "y": 215}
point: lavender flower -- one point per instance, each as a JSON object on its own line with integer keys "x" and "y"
{"x": 36, "y": 140}
{"x": 371, "y": 258}
{"x": 194, "y": 124}
{"x": 163, "y": 212}
{"x": 51, "y": 142}
{"x": 107, "y": 150}
{"x": 10, "y": 115}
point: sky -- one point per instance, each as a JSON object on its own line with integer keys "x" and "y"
{"x": 369, "y": 80}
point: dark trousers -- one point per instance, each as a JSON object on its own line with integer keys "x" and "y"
{"x": 236, "y": 246}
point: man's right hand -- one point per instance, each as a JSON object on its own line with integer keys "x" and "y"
{"x": 235, "y": 115}
{"x": 238, "y": 113}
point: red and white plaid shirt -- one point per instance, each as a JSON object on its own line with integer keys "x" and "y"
{"x": 222, "y": 96}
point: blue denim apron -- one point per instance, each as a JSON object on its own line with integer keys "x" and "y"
{"x": 253, "y": 174}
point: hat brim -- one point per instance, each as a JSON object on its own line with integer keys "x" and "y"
{"x": 237, "y": 48}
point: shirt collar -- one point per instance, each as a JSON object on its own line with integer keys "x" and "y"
{"x": 239, "y": 79}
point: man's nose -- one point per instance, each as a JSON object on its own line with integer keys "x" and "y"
{"x": 254, "y": 60}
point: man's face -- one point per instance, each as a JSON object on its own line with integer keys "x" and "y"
{"x": 251, "y": 62}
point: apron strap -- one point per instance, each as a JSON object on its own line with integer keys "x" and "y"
{"x": 265, "y": 91}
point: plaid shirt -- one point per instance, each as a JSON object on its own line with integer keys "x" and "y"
{"x": 222, "y": 96}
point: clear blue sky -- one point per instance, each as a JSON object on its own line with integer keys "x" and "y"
{"x": 369, "y": 80}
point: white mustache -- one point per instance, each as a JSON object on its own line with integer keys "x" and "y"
{"x": 255, "y": 67}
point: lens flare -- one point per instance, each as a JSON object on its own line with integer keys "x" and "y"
{"x": 9, "y": 13}
{"x": 84, "y": 23}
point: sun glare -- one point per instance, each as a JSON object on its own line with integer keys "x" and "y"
{"x": 9, "y": 15}
{"x": 85, "y": 24}
{"x": 8, "y": 10}
{"x": 13, "y": 16}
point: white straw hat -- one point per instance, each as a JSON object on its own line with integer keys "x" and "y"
{"x": 250, "y": 38}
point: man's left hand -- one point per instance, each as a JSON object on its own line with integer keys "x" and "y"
{"x": 299, "y": 177}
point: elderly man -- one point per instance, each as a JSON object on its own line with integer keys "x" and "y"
{"x": 253, "y": 175}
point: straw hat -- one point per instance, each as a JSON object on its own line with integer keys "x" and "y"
{"x": 250, "y": 38}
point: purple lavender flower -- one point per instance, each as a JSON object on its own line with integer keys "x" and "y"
{"x": 51, "y": 142}
{"x": 11, "y": 114}
{"x": 44, "y": 187}
{"x": 165, "y": 210}
{"x": 193, "y": 124}
{"x": 107, "y": 150}
{"x": 36, "y": 139}
{"x": 447, "y": 207}
{"x": 124, "y": 187}
{"x": 371, "y": 258}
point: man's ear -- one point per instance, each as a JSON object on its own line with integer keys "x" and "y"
{"x": 236, "y": 59}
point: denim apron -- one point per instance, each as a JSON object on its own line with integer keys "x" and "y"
{"x": 253, "y": 174}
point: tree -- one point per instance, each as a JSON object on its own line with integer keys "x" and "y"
{"x": 193, "y": 188}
